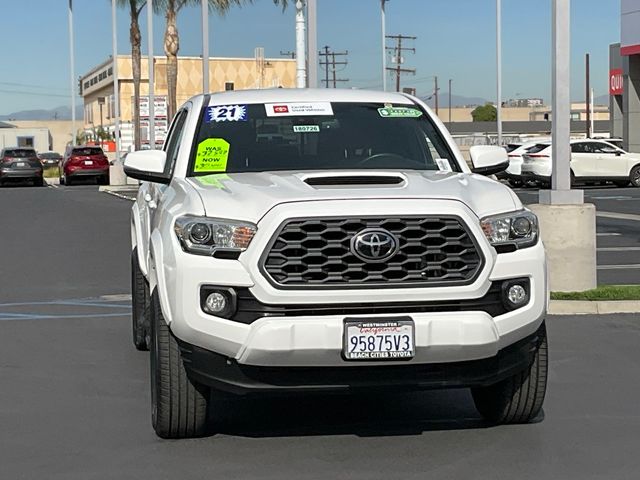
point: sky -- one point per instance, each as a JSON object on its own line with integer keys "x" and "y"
{"x": 455, "y": 40}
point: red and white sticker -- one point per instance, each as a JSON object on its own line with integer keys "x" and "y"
{"x": 298, "y": 109}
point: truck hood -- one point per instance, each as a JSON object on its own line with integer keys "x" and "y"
{"x": 249, "y": 196}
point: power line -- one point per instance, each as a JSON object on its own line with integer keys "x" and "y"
{"x": 35, "y": 93}
{"x": 398, "y": 59}
{"x": 330, "y": 61}
{"x": 14, "y": 84}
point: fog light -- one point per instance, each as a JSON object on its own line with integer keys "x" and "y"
{"x": 517, "y": 295}
{"x": 215, "y": 303}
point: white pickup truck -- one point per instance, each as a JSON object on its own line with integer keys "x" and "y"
{"x": 331, "y": 240}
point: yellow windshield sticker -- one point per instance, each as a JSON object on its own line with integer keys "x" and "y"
{"x": 212, "y": 155}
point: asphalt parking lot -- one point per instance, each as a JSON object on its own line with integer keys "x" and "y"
{"x": 74, "y": 396}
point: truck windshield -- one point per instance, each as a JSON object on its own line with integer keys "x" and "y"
{"x": 317, "y": 136}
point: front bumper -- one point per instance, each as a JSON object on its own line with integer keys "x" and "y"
{"x": 313, "y": 337}
{"x": 228, "y": 374}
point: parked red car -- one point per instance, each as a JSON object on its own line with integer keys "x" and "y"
{"x": 86, "y": 161}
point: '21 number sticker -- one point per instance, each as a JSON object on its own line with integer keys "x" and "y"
{"x": 226, "y": 113}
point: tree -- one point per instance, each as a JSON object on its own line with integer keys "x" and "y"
{"x": 135, "y": 7}
{"x": 171, "y": 8}
{"x": 485, "y": 113}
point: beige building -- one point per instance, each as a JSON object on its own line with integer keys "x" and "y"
{"x": 96, "y": 88}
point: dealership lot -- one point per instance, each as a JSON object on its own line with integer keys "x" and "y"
{"x": 74, "y": 402}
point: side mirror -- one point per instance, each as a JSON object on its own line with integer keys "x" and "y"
{"x": 488, "y": 160}
{"x": 147, "y": 165}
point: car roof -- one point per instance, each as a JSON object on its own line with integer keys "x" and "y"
{"x": 285, "y": 95}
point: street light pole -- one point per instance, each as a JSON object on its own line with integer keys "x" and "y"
{"x": 312, "y": 44}
{"x": 384, "y": 46}
{"x": 205, "y": 46}
{"x": 151, "y": 69}
{"x": 116, "y": 87}
{"x": 73, "y": 76}
{"x": 301, "y": 58}
{"x": 499, "y": 69}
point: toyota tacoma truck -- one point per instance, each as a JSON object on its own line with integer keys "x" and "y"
{"x": 294, "y": 241}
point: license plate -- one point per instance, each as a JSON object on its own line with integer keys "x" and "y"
{"x": 379, "y": 339}
{"x": 21, "y": 164}
{"x": 88, "y": 162}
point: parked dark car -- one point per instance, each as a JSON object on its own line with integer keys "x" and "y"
{"x": 20, "y": 164}
{"x": 50, "y": 158}
{"x": 87, "y": 161}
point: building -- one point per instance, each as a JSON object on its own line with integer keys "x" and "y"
{"x": 624, "y": 78}
{"x": 96, "y": 89}
{"x": 13, "y": 136}
{"x": 578, "y": 113}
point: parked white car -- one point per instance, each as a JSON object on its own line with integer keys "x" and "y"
{"x": 591, "y": 161}
{"x": 352, "y": 250}
{"x": 513, "y": 173}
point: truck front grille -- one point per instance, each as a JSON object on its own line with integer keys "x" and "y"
{"x": 318, "y": 252}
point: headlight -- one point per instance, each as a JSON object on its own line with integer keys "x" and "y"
{"x": 204, "y": 236}
{"x": 519, "y": 229}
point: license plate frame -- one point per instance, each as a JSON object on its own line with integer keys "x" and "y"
{"x": 376, "y": 327}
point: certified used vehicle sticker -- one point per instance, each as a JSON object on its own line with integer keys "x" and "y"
{"x": 298, "y": 109}
{"x": 399, "y": 112}
{"x": 212, "y": 155}
{"x": 226, "y": 113}
{"x": 306, "y": 128}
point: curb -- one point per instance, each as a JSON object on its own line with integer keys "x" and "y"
{"x": 586, "y": 307}
{"x": 115, "y": 193}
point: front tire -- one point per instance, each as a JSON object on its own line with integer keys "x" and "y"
{"x": 140, "y": 305}
{"x": 179, "y": 405}
{"x": 517, "y": 399}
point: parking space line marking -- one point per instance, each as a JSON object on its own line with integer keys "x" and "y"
{"x": 608, "y": 234}
{"x": 617, "y": 249}
{"x": 618, "y": 216}
{"x": 90, "y": 304}
{"x": 4, "y": 316}
{"x": 631, "y": 266}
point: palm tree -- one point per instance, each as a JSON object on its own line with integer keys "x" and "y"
{"x": 171, "y": 8}
{"x": 135, "y": 7}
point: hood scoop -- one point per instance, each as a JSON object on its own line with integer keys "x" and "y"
{"x": 353, "y": 180}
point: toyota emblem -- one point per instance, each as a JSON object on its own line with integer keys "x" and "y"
{"x": 374, "y": 245}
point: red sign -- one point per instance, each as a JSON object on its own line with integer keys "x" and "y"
{"x": 616, "y": 82}
{"x": 281, "y": 109}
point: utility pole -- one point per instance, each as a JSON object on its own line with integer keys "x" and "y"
{"x": 588, "y": 97}
{"x": 329, "y": 64}
{"x": 291, "y": 55}
{"x": 384, "y": 45}
{"x": 436, "y": 90}
{"x": 450, "y": 81}
{"x": 398, "y": 60}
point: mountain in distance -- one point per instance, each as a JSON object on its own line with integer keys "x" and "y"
{"x": 58, "y": 113}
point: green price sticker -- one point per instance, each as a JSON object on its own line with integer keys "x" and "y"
{"x": 212, "y": 155}
{"x": 399, "y": 112}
